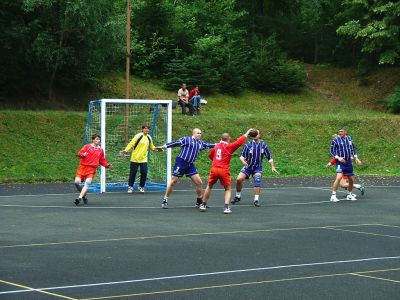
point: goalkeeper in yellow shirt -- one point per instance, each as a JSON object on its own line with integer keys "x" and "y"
{"x": 139, "y": 146}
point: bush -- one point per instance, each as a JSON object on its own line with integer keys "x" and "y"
{"x": 393, "y": 101}
{"x": 269, "y": 70}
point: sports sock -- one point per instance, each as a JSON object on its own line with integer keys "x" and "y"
{"x": 256, "y": 197}
{"x": 357, "y": 186}
{"x": 238, "y": 194}
{"x": 226, "y": 205}
{"x": 333, "y": 193}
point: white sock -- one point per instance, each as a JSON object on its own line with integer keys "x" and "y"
{"x": 238, "y": 194}
{"x": 333, "y": 193}
{"x": 256, "y": 197}
{"x": 357, "y": 186}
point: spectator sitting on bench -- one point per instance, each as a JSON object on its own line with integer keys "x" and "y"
{"x": 183, "y": 98}
{"x": 194, "y": 99}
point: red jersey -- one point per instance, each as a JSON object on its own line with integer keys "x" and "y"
{"x": 221, "y": 154}
{"x": 193, "y": 93}
{"x": 94, "y": 157}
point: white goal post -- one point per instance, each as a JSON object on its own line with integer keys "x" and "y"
{"x": 118, "y": 121}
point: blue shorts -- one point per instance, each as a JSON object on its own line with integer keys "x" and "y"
{"x": 250, "y": 171}
{"x": 345, "y": 168}
{"x": 182, "y": 167}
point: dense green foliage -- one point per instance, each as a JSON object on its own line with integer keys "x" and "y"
{"x": 41, "y": 146}
{"x": 221, "y": 45}
{"x": 393, "y": 101}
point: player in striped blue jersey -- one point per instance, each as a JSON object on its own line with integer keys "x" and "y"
{"x": 184, "y": 163}
{"x": 343, "y": 149}
{"x": 252, "y": 157}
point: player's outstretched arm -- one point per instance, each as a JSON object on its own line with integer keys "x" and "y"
{"x": 161, "y": 148}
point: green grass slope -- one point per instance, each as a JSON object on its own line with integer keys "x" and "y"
{"x": 40, "y": 146}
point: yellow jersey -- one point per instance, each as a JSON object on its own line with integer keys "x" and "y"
{"x": 139, "y": 154}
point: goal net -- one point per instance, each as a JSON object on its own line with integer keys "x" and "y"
{"x": 118, "y": 121}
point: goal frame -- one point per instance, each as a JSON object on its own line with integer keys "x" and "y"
{"x": 103, "y": 134}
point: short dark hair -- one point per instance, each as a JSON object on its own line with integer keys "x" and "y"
{"x": 96, "y": 135}
{"x": 145, "y": 126}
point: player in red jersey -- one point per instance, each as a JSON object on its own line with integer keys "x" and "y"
{"x": 344, "y": 182}
{"x": 221, "y": 156}
{"x": 91, "y": 155}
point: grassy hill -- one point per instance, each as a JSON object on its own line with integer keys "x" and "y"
{"x": 40, "y": 146}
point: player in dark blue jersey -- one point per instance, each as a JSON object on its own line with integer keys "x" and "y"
{"x": 184, "y": 163}
{"x": 343, "y": 149}
{"x": 252, "y": 157}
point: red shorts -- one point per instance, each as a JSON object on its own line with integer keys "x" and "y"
{"x": 220, "y": 174}
{"x": 85, "y": 172}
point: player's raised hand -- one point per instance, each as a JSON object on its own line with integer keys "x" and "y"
{"x": 248, "y": 131}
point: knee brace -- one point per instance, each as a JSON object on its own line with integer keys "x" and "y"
{"x": 257, "y": 180}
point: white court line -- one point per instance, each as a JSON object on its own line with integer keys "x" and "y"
{"x": 151, "y": 207}
{"x": 191, "y": 190}
{"x": 207, "y": 274}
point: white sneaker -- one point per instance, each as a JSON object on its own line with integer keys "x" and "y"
{"x": 203, "y": 207}
{"x": 334, "y": 198}
{"x": 351, "y": 197}
{"x": 227, "y": 210}
{"x": 130, "y": 190}
{"x": 141, "y": 189}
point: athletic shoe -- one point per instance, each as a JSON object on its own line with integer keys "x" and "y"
{"x": 130, "y": 190}
{"x": 141, "y": 189}
{"x": 256, "y": 203}
{"x": 77, "y": 201}
{"x": 85, "y": 200}
{"x": 198, "y": 202}
{"x": 351, "y": 197}
{"x": 203, "y": 207}
{"x": 227, "y": 210}
{"x": 164, "y": 203}
{"x": 235, "y": 200}
{"x": 334, "y": 198}
{"x": 362, "y": 190}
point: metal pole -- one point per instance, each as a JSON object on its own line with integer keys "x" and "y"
{"x": 128, "y": 65}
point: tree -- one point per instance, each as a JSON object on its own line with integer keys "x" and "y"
{"x": 376, "y": 25}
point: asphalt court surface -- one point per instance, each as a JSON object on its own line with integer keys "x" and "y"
{"x": 297, "y": 245}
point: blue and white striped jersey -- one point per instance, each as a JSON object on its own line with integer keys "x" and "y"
{"x": 343, "y": 147}
{"x": 190, "y": 147}
{"x": 254, "y": 153}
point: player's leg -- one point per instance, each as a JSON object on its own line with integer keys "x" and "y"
{"x": 78, "y": 181}
{"x": 199, "y": 190}
{"x": 257, "y": 188}
{"x": 350, "y": 195}
{"x": 143, "y": 176}
{"x": 335, "y": 185}
{"x": 207, "y": 193}
{"x": 239, "y": 185}
{"x": 212, "y": 179}
{"x": 344, "y": 183}
{"x": 132, "y": 176}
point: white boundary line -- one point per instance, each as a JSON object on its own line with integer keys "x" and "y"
{"x": 152, "y": 207}
{"x": 207, "y": 274}
{"x": 215, "y": 189}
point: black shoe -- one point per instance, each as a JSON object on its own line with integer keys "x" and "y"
{"x": 77, "y": 201}
{"x": 235, "y": 200}
{"x": 256, "y": 203}
{"x": 199, "y": 202}
{"x": 85, "y": 200}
